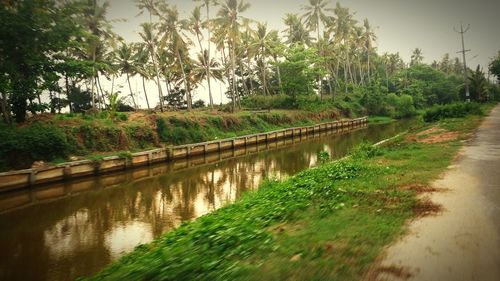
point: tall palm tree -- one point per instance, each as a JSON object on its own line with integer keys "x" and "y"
{"x": 295, "y": 31}
{"x": 125, "y": 60}
{"x": 314, "y": 16}
{"x": 416, "y": 56}
{"x": 148, "y": 36}
{"x": 343, "y": 28}
{"x": 100, "y": 34}
{"x": 143, "y": 68}
{"x": 208, "y": 25}
{"x": 368, "y": 38}
{"x": 228, "y": 22}
{"x": 263, "y": 44}
{"x": 177, "y": 42}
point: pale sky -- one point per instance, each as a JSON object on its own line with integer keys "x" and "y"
{"x": 401, "y": 25}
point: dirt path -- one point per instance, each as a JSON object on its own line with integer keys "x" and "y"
{"x": 462, "y": 242}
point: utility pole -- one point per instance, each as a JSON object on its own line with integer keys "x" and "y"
{"x": 462, "y": 31}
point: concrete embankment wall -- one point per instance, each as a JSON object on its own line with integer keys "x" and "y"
{"x": 76, "y": 169}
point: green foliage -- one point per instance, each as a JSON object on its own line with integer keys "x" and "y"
{"x": 494, "y": 67}
{"x": 427, "y": 86}
{"x": 267, "y": 102}
{"x": 401, "y": 106}
{"x": 20, "y": 147}
{"x": 177, "y": 131}
{"x": 365, "y": 151}
{"x": 323, "y": 156}
{"x": 300, "y": 70}
{"x": 454, "y": 110}
{"x": 79, "y": 100}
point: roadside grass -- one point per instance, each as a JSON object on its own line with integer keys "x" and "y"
{"x": 326, "y": 223}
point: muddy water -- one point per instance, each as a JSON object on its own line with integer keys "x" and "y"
{"x": 72, "y": 229}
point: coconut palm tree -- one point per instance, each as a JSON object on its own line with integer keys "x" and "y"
{"x": 416, "y": 56}
{"x": 295, "y": 31}
{"x": 177, "y": 42}
{"x": 228, "y": 22}
{"x": 142, "y": 67}
{"x": 368, "y": 38}
{"x": 148, "y": 36}
{"x": 208, "y": 26}
{"x": 343, "y": 28}
{"x": 125, "y": 61}
{"x": 314, "y": 16}
{"x": 100, "y": 35}
{"x": 262, "y": 42}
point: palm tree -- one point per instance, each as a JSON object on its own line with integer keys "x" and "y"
{"x": 478, "y": 85}
{"x": 295, "y": 31}
{"x": 228, "y": 22}
{"x": 177, "y": 43}
{"x": 416, "y": 56}
{"x": 99, "y": 33}
{"x": 208, "y": 25}
{"x": 141, "y": 65}
{"x": 368, "y": 38}
{"x": 126, "y": 64}
{"x": 263, "y": 44}
{"x": 149, "y": 38}
{"x": 314, "y": 16}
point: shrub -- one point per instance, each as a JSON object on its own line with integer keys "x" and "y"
{"x": 452, "y": 111}
{"x": 265, "y": 102}
{"x": 365, "y": 151}
{"x": 20, "y": 147}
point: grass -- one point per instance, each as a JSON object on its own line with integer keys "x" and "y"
{"x": 380, "y": 119}
{"x": 326, "y": 223}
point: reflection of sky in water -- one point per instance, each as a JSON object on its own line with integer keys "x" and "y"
{"x": 79, "y": 234}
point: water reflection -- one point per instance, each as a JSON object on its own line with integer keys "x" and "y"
{"x": 66, "y": 230}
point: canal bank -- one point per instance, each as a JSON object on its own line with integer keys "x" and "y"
{"x": 82, "y": 168}
{"x": 75, "y": 228}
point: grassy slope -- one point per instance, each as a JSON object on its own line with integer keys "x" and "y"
{"x": 55, "y": 137}
{"x": 326, "y": 223}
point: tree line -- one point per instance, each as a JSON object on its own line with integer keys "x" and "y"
{"x": 54, "y": 54}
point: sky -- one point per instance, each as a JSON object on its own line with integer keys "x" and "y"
{"x": 400, "y": 25}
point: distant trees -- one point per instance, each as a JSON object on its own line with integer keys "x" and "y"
{"x": 58, "y": 48}
{"x": 494, "y": 67}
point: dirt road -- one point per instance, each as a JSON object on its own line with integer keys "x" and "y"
{"x": 462, "y": 242}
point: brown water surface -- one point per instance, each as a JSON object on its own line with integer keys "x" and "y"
{"x": 75, "y": 228}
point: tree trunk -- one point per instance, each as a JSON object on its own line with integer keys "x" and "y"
{"x": 3, "y": 106}
{"x": 250, "y": 74}
{"x": 278, "y": 72}
{"x": 145, "y": 93}
{"x": 153, "y": 59}
{"x": 188, "y": 91}
{"x": 208, "y": 57}
{"x": 233, "y": 68}
{"x": 131, "y": 93}
{"x": 92, "y": 83}
{"x": 67, "y": 93}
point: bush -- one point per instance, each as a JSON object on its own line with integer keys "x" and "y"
{"x": 401, "y": 106}
{"x": 266, "y": 102}
{"x": 20, "y": 147}
{"x": 452, "y": 111}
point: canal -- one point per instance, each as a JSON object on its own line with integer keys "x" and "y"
{"x": 71, "y": 229}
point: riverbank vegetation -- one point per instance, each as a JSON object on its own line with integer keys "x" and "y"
{"x": 60, "y": 68}
{"x": 328, "y": 222}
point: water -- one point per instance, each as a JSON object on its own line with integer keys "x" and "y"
{"x": 66, "y": 230}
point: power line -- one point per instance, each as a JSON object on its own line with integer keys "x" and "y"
{"x": 462, "y": 31}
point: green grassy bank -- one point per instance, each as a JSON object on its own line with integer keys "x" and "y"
{"x": 325, "y": 223}
{"x": 57, "y": 138}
